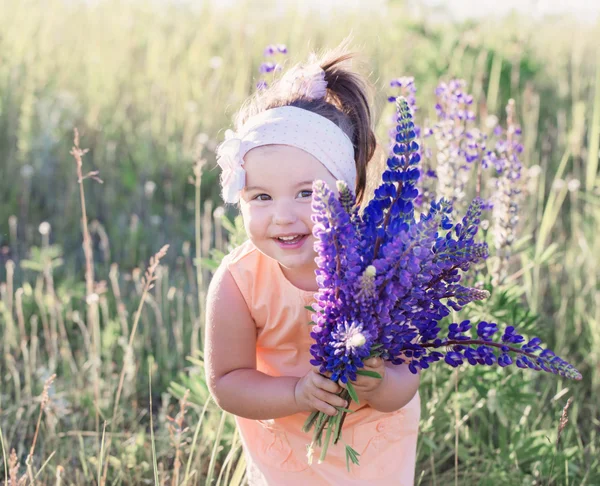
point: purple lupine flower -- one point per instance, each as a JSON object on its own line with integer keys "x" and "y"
{"x": 407, "y": 89}
{"x": 273, "y": 49}
{"x": 507, "y": 194}
{"x": 459, "y": 146}
{"x": 339, "y": 269}
{"x": 270, "y": 66}
{"x": 413, "y": 267}
{"x": 267, "y": 67}
{"x": 387, "y": 280}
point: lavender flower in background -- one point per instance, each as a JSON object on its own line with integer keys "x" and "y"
{"x": 273, "y": 49}
{"x": 458, "y": 145}
{"x": 387, "y": 279}
{"x": 407, "y": 89}
{"x": 270, "y": 66}
{"x": 507, "y": 194}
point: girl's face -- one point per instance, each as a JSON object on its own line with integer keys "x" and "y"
{"x": 276, "y": 203}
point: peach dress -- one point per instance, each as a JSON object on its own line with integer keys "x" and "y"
{"x": 275, "y": 450}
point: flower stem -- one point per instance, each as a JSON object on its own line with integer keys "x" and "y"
{"x": 345, "y": 395}
{"x": 310, "y": 421}
{"x": 331, "y": 424}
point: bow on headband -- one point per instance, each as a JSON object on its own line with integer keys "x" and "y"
{"x": 233, "y": 175}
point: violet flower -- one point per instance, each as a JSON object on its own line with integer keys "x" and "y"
{"x": 507, "y": 194}
{"x": 387, "y": 279}
{"x": 458, "y": 144}
{"x": 270, "y": 66}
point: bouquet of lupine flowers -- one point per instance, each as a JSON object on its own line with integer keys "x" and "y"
{"x": 386, "y": 280}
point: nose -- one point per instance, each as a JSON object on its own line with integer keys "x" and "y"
{"x": 283, "y": 214}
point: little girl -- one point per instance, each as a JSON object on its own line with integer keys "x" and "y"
{"x": 314, "y": 123}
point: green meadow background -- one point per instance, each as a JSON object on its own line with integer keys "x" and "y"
{"x": 151, "y": 87}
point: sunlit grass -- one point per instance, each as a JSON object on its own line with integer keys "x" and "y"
{"x": 151, "y": 90}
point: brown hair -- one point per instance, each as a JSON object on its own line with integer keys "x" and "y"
{"x": 347, "y": 104}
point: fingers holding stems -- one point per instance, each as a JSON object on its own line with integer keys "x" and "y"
{"x": 317, "y": 392}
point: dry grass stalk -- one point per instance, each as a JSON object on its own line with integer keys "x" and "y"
{"x": 176, "y": 431}
{"x": 45, "y": 399}
{"x": 564, "y": 420}
{"x": 198, "y": 166}
{"x": 91, "y": 297}
{"x": 78, "y": 154}
{"x": 148, "y": 283}
{"x": 13, "y": 470}
{"x": 59, "y": 472}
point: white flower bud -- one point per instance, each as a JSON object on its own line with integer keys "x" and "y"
{"x": 534, "y": 171}
{"x": 341, "y": 185}
{"x": 202, "y": 138}
{"x": 491, "y": 121}
{"x": 370, "y": 271}
{"x": 44, "y": 228}
{"x": 26, "y": 171}
{"x": 219, "y": 212}
{"x": 356, "y": 340}
{"x": 215, "y": 62}
{"x": 149, "y": 188}
{"x": 92, "y": 299}
{"x": 573, "y": 185}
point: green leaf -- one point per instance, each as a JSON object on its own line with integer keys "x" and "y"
{"x": 209, "y": 263}
{"x": 228, "y": 224}
{"x": 338, "y": 423}
{"x": 354, "y": 455}
{"x": 342, "y": 409}
{"x": 308, "y": 307}
{"x": 351, "y": 455}
{"x": 352, "y": 392}
{"x": 31, "y": 265}
{"x": 372, "y": 374}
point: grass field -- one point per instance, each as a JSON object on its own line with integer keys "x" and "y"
{"x": 101, "y": 369}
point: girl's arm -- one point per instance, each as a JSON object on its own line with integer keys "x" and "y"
{"x": 230, "y": 363}
{"x": 230, "y": 357}
{"x": 398, "y": 388}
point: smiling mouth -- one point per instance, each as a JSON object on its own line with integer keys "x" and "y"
{"x": 290, "y": 240}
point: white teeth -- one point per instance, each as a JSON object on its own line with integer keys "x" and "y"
{"x": 288, "y": 238}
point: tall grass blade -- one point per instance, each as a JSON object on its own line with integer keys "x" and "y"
{"x": 101, "y": 458}
{"x": 215, "y": 450}
{"x": 494, "y": 84}
{"x": 195, "y": 440}
{"x": 4, "y": 457}
{"x": 594, "y": 144}
{"x": 45, "y": 464}
{"x": 229, "y": 459}
{"x": 238, "y": 474}
{"x": 152, "y": 441}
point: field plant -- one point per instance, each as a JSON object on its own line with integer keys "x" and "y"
{"x": 101, "y": 325}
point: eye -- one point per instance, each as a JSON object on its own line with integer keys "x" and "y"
{"x": 262, "y": 197}
{"x": 306, "y": 193}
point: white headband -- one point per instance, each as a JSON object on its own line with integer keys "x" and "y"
{"x": 286, "y": 125}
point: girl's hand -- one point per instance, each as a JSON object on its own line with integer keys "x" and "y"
{"x": 366, "y": 385}
{"x": 316, "y": 392}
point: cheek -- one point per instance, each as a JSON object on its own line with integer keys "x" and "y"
{"x": 254, "y": 221}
